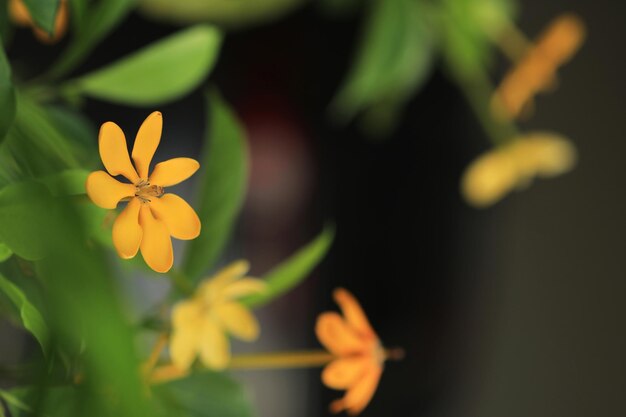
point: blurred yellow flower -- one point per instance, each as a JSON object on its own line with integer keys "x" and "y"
{"x": 536, "y": 71}
{"x": 201, "y": 324}
{"x": 494, "y": 174}
{"x": 20, "y": 15}
{"x": 151, "y": 217}
{"x": 359, "y": 354}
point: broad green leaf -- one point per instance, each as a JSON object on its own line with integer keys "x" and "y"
{"x": 26, "y": 210}
{"x": 7, "y": 96}
{"x": 293, "y": 270}
{"x": 207, "y": 394}
{"x": 84, "y": 308}
{"x": 78, "y": 130}
{"x": 35, "y": 146}
{"x": 221, "y": 190}
{"x": 96, "y": 22}
{"x": 394, "y": 58}
{"x": 5, "y": 252}
{"x": 43, "y": 13}
{"x": 161, "y": 72}
{"x": 31, "y": 318}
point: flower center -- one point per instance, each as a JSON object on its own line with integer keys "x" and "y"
{"x": 144, "y": 191}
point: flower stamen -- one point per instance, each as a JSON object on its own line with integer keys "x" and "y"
{"x": 144, "y": 191}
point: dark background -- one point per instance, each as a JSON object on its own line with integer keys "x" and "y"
{"x": 517, "y": 310}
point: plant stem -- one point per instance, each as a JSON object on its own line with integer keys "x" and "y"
{"x": 478, "y": 92}
{"x": 510, "y": 40}
{"x": 301, "y": 359}
{"x": 276, "y": 360}
{"x": 181, "y": 283}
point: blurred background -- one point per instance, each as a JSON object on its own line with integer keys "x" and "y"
{"x": 515, "y": 310}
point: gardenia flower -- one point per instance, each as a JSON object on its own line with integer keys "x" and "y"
{"x": 359, "y": 354}
{"x": 21, "y": 16}
{"x": 151, "y": 217}
{"x": 201, "y": 324}
{"x": 514, "y": 165}
{"x": 536, "y": 72}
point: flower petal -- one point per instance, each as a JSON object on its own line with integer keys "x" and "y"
{"x": 238, "y": 320}
{"x": 146, "y": 142}
{"x": 114, "y": 153}
{"x": 353, "y": 313}
{"x": 127, "y": 231}
{"x": 187, "y": 325}
{"x": 215, "y": 348}
{"x": 490, "y": 177}
{"x": 243, "y": 287}
{"x": 156, "y": 244}
{"x": 552, "y": 154}
{"x": 173, "y": 171}
{"x": 212, "y": 287}
{"x": 105, "y": 191}
{"x": 342, "y": 373}
{"x": 186, "y": 313}
{"x": 337, "y": 336}
{"x": 361, "y": 393}
{"x": 181, "y": 220}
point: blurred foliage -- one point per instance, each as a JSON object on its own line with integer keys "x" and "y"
{"x": 222, "y": 187}
{"x": 233, "y": 13}
{"x": 7, "y": 96}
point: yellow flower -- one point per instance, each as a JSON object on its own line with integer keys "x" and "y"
{"x": 494, "y": 174}
{"x": 151, "y": 217}
{"x": 536, "y": 72}
{"x": 21, "y": 16}
{"x": 359, "y": 354}
{"x": 201, "y": 324}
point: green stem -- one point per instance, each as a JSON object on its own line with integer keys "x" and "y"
{"x": 478, "y": 91}
{"x": 181, "y": 283}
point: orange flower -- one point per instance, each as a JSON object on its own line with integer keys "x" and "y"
{"x": 151, "y": 216}
{"x": 21, "y": 16}
{"x": 536, "y": 72}
{"x": 359, "y": 354}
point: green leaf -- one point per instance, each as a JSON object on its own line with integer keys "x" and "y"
{"x": 394, "y": 58}
{"x": 294, "y": 270}
{"x": 43, "y": 13}
{"x": 206, "y": 394}
{"x": 7, "y": 96}
{"x": 161, "y": 72}
{"x": 25, "y": 214}
{"x": 53, "y": 402}
{"x": 5, "y": 252}
{"x": 79, "y": 131}
{"x": 35, "y": 146}
{"x": 31, "y": 318}
{"x": 94, "y": 23}
{"x": 84, "y": 308}
{"x": 466, "y": 25}
{"x": 222, "y": 187}
{"x": 69, "y": 182}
